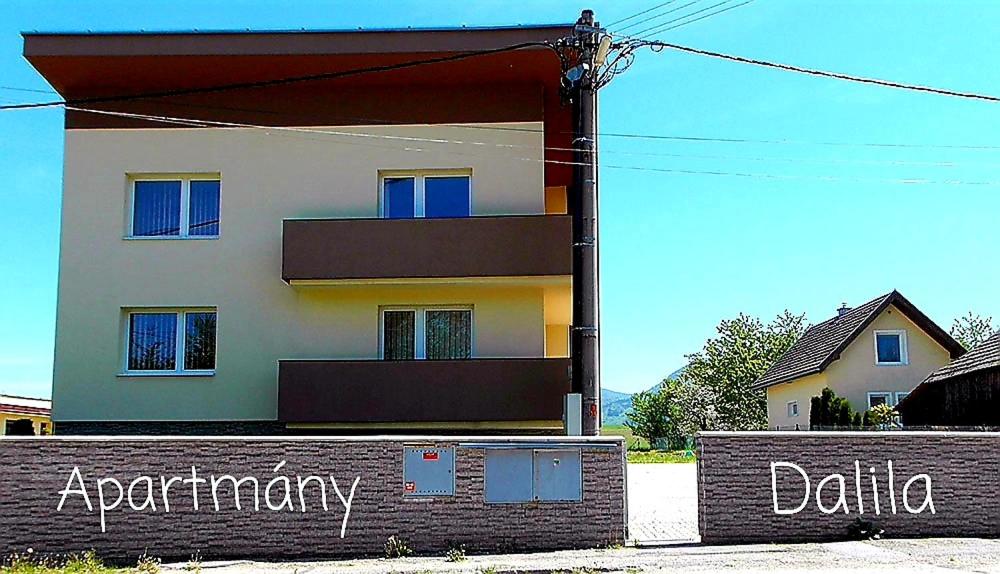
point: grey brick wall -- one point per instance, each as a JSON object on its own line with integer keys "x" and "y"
{"x": 735, "y": 499}
{"x": 36, "y": 470}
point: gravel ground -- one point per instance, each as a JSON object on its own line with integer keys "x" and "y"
{"x": 895, "y": 556}
{"x": 663, "y": 502}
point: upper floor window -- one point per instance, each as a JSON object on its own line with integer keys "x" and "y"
{"x": 890, "y": 348}
{"x": 426, "y": 194}
{"x": 175, "y": 207}
{"x": 426, "y": 333}
{"x": 171, "y": 341}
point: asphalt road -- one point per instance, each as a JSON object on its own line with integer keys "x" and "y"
{"x": 929, "y": 556}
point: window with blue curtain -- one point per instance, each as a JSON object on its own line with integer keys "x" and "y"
{"x": 152, "y": 343}
{"x": 398, "y": 197}
{"x": 156, "y": 208}
{"x": 446, "y": 196}
{"x": 203, "y": 208}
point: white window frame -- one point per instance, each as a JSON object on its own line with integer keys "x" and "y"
{"x": 419, "y": 177}
{"x": 180, "y": 333}
{"x": 899, "y": 396}
{"x": 790, "y": 406}
{"x": 419, "y": 327}
{"x": 904, "y": 358}
{"x": 185, "y": 223}
{"x": 886, "y": 394}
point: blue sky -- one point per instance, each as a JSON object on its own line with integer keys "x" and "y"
{"x": 679, "y": 252}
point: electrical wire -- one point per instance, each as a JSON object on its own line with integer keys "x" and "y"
{"x": 216, "y": 124}
{"x": 637, "y": 14}
{"x": 653, "y": 17}
{"x": 642, "y": 33}
{"x": 709, "y": 15}
{"x": 827, "y": 74}
{"x": 554, "y": 148}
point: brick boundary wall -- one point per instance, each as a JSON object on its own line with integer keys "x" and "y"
{"x": 736, "y": 497}
{"x": 36, "y": 469}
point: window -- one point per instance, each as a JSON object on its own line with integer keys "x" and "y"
{"x": 793, "y": 408}
{"x": 177, "y": 207}
{"x": 171, "y": 342}
{"x": 427, "y": 194}
{"x": 879, "y": 398}
{"x": 426, "y": 333}
{"x": 900, "y": 397}
{"x": 890, "y": 348}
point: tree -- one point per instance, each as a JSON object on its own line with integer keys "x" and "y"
{"x": 694, "y": 409}
{"x": 829, "y": 410}
{"x": 972, "y": 329}
{"x": 652, "y": 415}
{"x": 882, "y": 416}
{"x": 731, "y": 362}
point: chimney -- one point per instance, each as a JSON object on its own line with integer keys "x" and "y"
{"x": 843, "y": 310}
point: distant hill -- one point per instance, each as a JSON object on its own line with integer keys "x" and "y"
{"x": 615, "y": 404}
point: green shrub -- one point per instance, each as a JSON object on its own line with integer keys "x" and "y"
{"x": 456, "y": 553}
{"x": 396, "y": 547}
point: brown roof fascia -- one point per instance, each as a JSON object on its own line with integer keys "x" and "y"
{"x": 290, "y": 43}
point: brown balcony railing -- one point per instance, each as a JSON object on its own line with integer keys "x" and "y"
{"x": 469, "y": 390}
{"x": 505, "y": 246}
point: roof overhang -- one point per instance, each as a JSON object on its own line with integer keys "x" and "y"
{"x": 87, "y": 64}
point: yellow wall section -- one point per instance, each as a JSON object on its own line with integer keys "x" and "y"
{"x": 556, "y": 201}
{"x": 855, "y": 374}
{"x": 36, "y": 422}
{"x": 557, "y": 340}
{"x": 265, "y": 178}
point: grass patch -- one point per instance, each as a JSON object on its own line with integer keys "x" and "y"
{"x": 632, "y": 442}
{"x": 86, "y": 563}
{"x": 659, "y": 456}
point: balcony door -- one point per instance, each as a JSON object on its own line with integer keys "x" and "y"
{"x": 426, "y": 333}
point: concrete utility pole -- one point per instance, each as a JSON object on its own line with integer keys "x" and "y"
{"x": 586, "y": 300}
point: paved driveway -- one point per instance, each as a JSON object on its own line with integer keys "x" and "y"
{"x": 662, "y": 502}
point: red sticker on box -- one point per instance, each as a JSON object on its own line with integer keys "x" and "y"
{"x": 410, "y": 487}
{"x": 430, "y": 456}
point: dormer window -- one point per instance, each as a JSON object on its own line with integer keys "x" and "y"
{"x": 890, "y": 348}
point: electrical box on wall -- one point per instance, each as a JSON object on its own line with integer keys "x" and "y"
{"x": 533, "y": 475}
{"x": 428, "y": 471}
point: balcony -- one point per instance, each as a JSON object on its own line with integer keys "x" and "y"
{"x": 321, "y": 251}
{"x": 458, "y": 391}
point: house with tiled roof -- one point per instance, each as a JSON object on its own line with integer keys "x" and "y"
{"x": 24, "y": 415}
{"x": 965, "y": 392}
{"x": 872, "y": 354}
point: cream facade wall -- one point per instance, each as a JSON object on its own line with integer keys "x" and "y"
{"x": 266, "y": 177}
{"x": 855, "y": 374}
{"x": 800, "y": 391}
